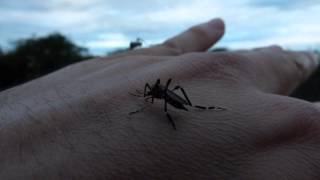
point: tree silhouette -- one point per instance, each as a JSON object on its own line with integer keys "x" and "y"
{"x": 34, "y": 57}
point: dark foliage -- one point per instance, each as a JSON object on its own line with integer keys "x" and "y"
{"x": 35, "y": 57}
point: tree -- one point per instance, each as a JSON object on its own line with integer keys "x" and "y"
{"x": 34, "y": 57}
{"x": 49, "y": 53}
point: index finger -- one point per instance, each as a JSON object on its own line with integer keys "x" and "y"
{"x": 197, "y": 38}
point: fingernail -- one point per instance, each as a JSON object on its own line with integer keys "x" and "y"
{"x": 217, "y": 22}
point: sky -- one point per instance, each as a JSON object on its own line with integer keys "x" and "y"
{"x": 106, "y": 25}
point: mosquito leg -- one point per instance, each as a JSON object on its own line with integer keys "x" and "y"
{"x": 175, "y": 88}
{"x": 171, "y": 121}
{"x": 139, "y": 92}
{"x": 145, "y": 89}
{"x": 165, "y": 95}
{"x": 146, "y": 99}
{"x": 157, "y": 82}
{"x": 217, "y": 108}
{"x": 151, "y": 97}
{"x": 166, "y": 110}
{"x": 165, "y": 103}
{"x": 184, "y": 94}
{"x": 200, "y": 107}
{"x": 168, "y": 83}
{"x": 134, "y": 95}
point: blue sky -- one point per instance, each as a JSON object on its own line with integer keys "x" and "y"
{"x": 105, "y": 25}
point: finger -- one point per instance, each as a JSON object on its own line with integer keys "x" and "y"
{"x": 197, "y": 38}
{"x": 157, "y": 50}
{"x": 279, "y": 71}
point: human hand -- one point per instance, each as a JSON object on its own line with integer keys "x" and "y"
{"x": 84, "y": 112}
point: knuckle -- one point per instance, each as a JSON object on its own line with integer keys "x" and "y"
{"x": 233, "y": 62}
{"x": 300, "y": 63}
{"x": 221, "y": 65}
{"x": 304, "y": 64}
{"x": 295, "y": 61}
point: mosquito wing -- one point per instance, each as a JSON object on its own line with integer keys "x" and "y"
{"x": 175, "y": 97}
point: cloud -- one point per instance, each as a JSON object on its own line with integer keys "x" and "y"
{"x": 107, "y": 24}
{"x": 284, "y": 4}
{"x": 110, "y": 40}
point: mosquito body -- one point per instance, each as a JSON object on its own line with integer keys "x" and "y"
{"x": 159, "y": 91}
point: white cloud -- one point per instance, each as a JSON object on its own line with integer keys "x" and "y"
{"x": 55, "y": 19}
{"x": 292, "y": 42}
{"x": 111, "y": 23}
{"x": 110, "y": 40}
{"x": 284, "y": 4}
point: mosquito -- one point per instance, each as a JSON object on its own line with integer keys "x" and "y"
{"x": 159, "y": 91}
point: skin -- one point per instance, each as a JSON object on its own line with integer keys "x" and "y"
{"x": 75, "y": 123}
